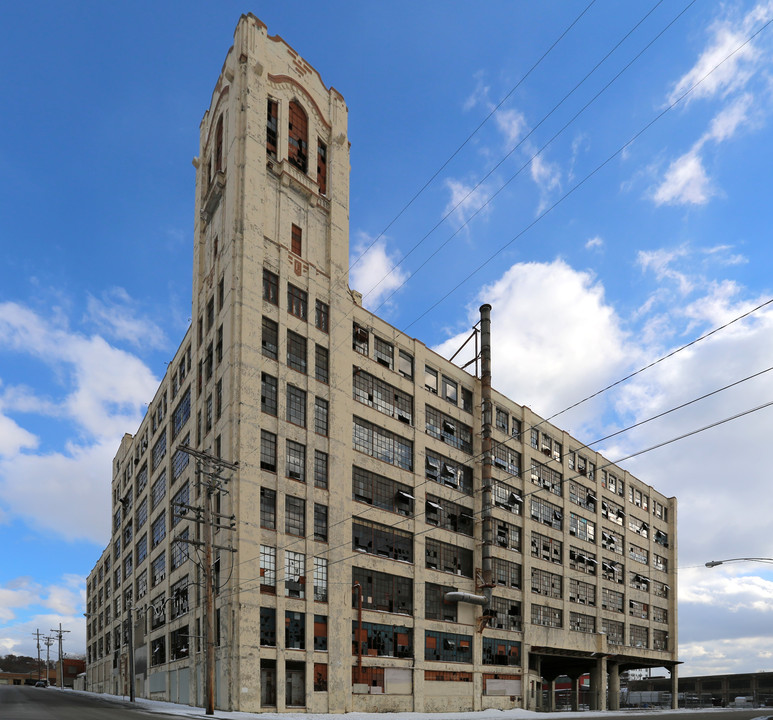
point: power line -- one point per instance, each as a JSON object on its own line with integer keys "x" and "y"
{"x": 474, "y": 132}
{"x": 531, "y": 492}
{"x": 520, "y": 143}
{"x": 591, "y": 174}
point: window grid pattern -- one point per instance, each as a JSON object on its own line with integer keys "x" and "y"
{"x": 448, "y": 558}
{"x": 376, "y": 539}
{"x": 181, "y": 413}
{"x": 507, "y": 459}
{"x": 267, "y": 568}
{"x": 582, "y": 496}
{"x": 547, "y": 548}
{"x": 447, "y": 647}
{"x": 435, "y": 607}
{"x": 501, "y": 652}
{"x": 613, "y": 571}
{"x": 159, "y": 450}
{"x": 296, "y": 461}
{"x": 295, "y": 515}
{"x": 320, "y": 416}
{"x": 321, "y": 364}
{"x": 579, "y": 622}
{"x": 448, "y": 515}
{"x": 382, "y": 444}
{"x": 320, "y": 522}
{"x": 508, "y": 535}
{"x": 268, "y": 508}
{"x": 546, "y": 583}
{"x": 296, "y": 406}
{"x": 382, "y": 591}
{"x": 508, "y": 615}
{"x": 506, "y": 497}
{"x": 296, "y": 352}
{"x": 639, "y": 636}
{"x": 383, "y": 352}
{"x": 614, "y": 631}
{"x": 158, "y": 491}
{"x": 295, "y": 574}
{"x": 448, "y": 472}
{"x": 659, "y": 640}
{"x": 297, "y": 302}
{"x": 547, "y": 616}
{"x": 267, "y": 451}
{"x": 320, "y": 579}
{"x": 450, "y": 431}
{"x": 268, "y": 394}
{"x": 582, "y": 528}
{"x": 387, "y": 399}
{"x": 506, "y": 573}
{"x": 546, "y": 477}
{"x": 582, "y": 592}
{"x": 612, "y": 541}
{"x": 382, "y": 640}
{"x": 612, "y": 600}
{"x": 380, "y": 491}
{"x": 320, "y": 469}
{"x": 270, "y": 338}
{"x": 546, "y": 512}
{"x": 322, "y": 316}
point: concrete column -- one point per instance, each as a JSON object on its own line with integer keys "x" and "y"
{"x": 675, "y": 687}
{"x": 575, "y": 694}
{"x": 598, "y": 676}
{"x": 614, "y": 686}
{"x": 538, "y": 685}
{"x": 551, "y": 705}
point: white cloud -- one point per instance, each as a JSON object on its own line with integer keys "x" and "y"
{"x": 594, "y": 242}
{"x": 100, "y": 391}
{"x": 662, "y": 262}
{"x": 374, "y": 271}
{"x": 479, "y": 95}
{"x": 115, "y": 315}
{"x": 467, "y": 201}
{"x": 14, "y": 438}
{"x": 725, "y": 124}
{"x": 65, "y": 492}
{"x": 734, "y": 73}
{"x": 685, "y": 183}
{"x": 547, "y": 176}
{"x": 543, "y": 313}
{"x": 511, "y": 124}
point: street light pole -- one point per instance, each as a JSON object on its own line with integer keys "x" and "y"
{"x": 714, "y": 563}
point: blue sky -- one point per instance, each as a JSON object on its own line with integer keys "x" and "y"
{"x": 620, "y": 193}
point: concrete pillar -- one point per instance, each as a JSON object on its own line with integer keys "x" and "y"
{"x": 551, "y": 704}
{"x": 598, "y": 677}
{"x": 614, "y": 686}
{"x": 538, "y": 685}
{"x": 675, "y": 687}
{"x": 575, "y": 694}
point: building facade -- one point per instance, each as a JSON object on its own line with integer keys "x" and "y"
{"x": 381, "y": 542}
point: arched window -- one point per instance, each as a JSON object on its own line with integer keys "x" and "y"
{"x": 298, "y": 153}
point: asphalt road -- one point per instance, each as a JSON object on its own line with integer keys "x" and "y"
{"x": 20, "y": 702}
{"x": 24, "y": 702}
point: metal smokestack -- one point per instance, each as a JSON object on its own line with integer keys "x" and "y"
{"x": 485, "y": 382}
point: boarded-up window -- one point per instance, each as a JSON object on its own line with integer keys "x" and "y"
{"x": 297, "y": 240}
{"x": 298, "y": 146}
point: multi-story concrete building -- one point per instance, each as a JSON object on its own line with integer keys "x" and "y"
{"x": 404, "y": 537}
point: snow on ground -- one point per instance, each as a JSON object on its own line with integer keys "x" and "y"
{"x": 167, "y": 708}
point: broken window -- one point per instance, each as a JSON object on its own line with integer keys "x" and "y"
{"x": 298, "y": 150}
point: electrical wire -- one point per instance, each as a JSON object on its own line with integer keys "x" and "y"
{"x": 474, "y": 132}
{"x": 582, "y": 182}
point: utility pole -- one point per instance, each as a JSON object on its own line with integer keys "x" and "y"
{"x": 210, "y": 468}
{"x": 37, "y": 636}
{"x": 49, "y": 641}
{"x": 59, "y": 633}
